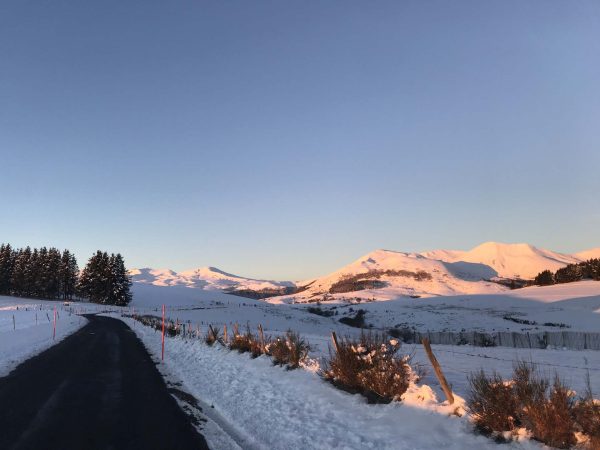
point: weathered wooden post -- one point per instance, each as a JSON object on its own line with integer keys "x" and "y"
{"x": 438, "y": 371}
{"x": 335, "y": 342}
{"x": 261, "y": 335}
{"x": 163, "y": 334}
{"x": 225, "y": 333}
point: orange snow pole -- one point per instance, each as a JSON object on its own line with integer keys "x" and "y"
{"x": 163, "y": 333}
{"x": 54, "y": 328}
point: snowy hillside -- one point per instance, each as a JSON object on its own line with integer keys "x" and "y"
{"x": 207, "y": 278}
{"x": 592, "y": 253}
{"x": 385, "y": 274}
{"x": 509, "y": 260}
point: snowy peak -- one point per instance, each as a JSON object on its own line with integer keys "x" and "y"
{"x": 510, "y": 260}
{"x": 387, "y": 274}
{"x": 158, "y": 277}
{"x": 207, "y": 278}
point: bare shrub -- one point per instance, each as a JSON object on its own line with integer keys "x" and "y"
{"x": 492, "y": 403}
{"x": 369, "y": 366}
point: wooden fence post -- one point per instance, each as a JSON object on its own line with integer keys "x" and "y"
{"x": 262, "y": 338}
{"x": 335, "y": 342}
{"x": 438, "y": 370}
{"x": 225, "y": 333}
{"x": 163, "y": 334}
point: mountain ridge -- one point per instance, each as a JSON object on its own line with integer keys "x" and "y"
{"x": 387, "y": 273}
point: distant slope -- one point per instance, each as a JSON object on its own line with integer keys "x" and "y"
{"x": 510, "y": 260}
{"x": 593, "y": 253}
{"x": 206, "y": 278}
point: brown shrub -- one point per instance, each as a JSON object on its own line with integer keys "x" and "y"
{"x": 530, "y": 400}
{"x": 256, "y": 348}
{"x": 369, "y": 366}
{"x": 212, "y": 335}
{"x": 242, "y": 342}
{"x": 587, "y": 416}
{"x": 492, "y": 403}
{"x": 290, "y": 350}
{"x": 551, "y": 418}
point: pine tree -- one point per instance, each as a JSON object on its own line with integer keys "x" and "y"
{"x": 7, "y": 259}
{"x": 68, "y": 274}
{"x": 52, "y": 267}
{"x": 121, "y": 281}
{"x": 19, "y": 281}
{"x": 544, "y": 278}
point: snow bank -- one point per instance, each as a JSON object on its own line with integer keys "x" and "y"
{"x": 29, "y": 338}
{"x": 270, "y": 407}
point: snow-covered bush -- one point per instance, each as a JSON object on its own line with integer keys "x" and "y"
{"x": 587, "y": 418}
{"x": 492, "y": 403}
{"x": 242, "y": 342}
{"x": 290, "y": 349}
{"x": 548, "y": 410}
{"x": 370, "y": 366}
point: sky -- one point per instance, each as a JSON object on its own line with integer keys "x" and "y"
{"x": 283, "y": 140}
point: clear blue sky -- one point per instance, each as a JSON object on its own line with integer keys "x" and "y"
{"x": 285, "y": 139}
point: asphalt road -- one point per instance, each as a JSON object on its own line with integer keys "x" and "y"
{"x": 97, "y": 389}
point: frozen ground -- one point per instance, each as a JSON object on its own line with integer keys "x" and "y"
{"x": 31, "y": 336}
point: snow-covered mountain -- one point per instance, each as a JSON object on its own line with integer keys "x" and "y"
{"x": 386, "y": 274}
{"x": 207, "y": 278}
{"x": 509, "y": 260}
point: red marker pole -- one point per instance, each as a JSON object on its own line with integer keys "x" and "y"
{"x": 163, "y": 332}
{"x": 54, "y": 330}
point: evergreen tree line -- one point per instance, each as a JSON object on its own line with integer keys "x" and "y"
{"x": 46, "y": 273}
{"x": 586, "y": 270}
{"x": 38, "y": 273}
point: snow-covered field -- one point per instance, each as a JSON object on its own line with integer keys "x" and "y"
{"x": 33, "y": 320}
{"x": 262, "y": 406}
{"x": 576, "y": 304}
{"x": 270, "y": 407}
